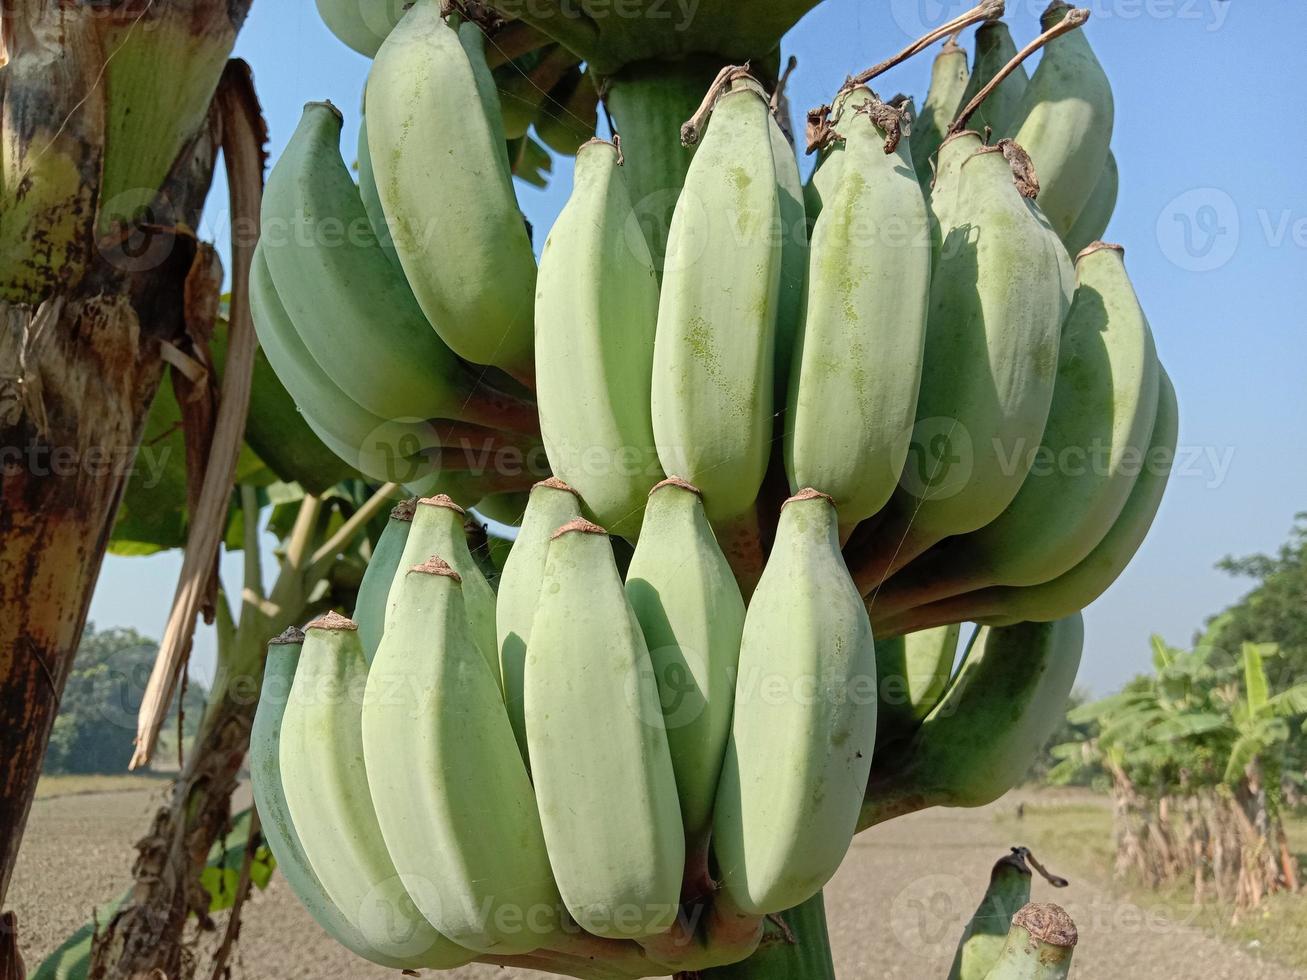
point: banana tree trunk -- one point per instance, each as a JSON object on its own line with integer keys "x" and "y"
{"x": 104, "y": 166}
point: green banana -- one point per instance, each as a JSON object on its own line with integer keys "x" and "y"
{"x": 986, "y": 932}
{"x": 806, "y": 694}
{"x": 326, "y": 788}
{"x": 912, "y": 672}
{"x": 437, "y": 529}
{"x": 821, "y": 183}
{"x": 274, "y": 816}
{"x": 1039, "y": 945}
{"x": 551, "y": 505}
{"x": 361, "y": 24}
{"x": 1076, "y": 589}
{"x": 1064, "y": 122}
{"x": 596, "y": 313}
{"x": 453, "y": 799}
{"x": 691, "y": 613}
{"x": 374, "y": 591}
{"x": 599, "y": 756}
{"x": 794, "y": 255}
{"x": 444, "y": 182}
{"x": 1099, "y": 426}
{"x": 570, "y": 114}
{"x": 368, "y": 193}
{"x": 1001, "y": 285}
{"x": 715, "y": 345}
{"x": 1012, "y": 687}
{"x": 994, "y": 49}
{"x": 385, "y": 450}
{"x": 1097, "y": 212}
{"x": 949, "y": 76}
{"x": 853, "y": 397}
{"x": 349, "y": 302}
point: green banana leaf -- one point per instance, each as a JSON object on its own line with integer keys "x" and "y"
{"x": 72, "y": 959}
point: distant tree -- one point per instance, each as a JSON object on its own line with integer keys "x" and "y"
{"x": 96, "y": 723}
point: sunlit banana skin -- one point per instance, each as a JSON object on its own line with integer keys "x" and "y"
{"x": 1082, "y": 585}
{"x": 853, "y": 399}
{"x": 691, "y": 614}
{"x": 445, "y": 185}
{"x": 1098, "y": 430}
{"x": 804, "y": 728}
{"x": 437, "y": 529}
{"x": 274, "y": 815}
{"x": 349, "y": 302}
{"x": 599, "y": 757}
{"x": 1064, "y": 122}
{"x": 361, "y": 24}
{"x": 912, "y": 672}
{"x": 714, "y": 352}
{"x": 326, "y": 787}
{"x": 948, "y": 82}
{"x": 374, "y": 591}
{"x": 452, "y": 796}
{"x": 552, "y": 504}
{"x": 596, "y": 313}
{"x": 986, "y": 932}
{"x": 980, "y": 740}
{"x": 1001, "y": 285}
{"x": 994, "y": 49}
{"x": 1097, "y": 212}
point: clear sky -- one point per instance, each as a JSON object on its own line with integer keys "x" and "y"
{"x": 1211, "y": 138}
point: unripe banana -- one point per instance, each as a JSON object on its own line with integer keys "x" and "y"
{"x": 452, "y": 796}
{"x": 912, "y": 672}
{"x": 1099, "y": 426}
{"x": 599, "y": 757}
{"x": 374, "y": 591}
{"x": 1076, "y": 589}
{"x": 691, "y": 613}
{"x": 552, "y": 504}
{"x": 368, "y": 193}
{"x": 444, "y": 183}
{"x": 1012, "y": 687}
{"x": 385, "y": 450}
{"x": 806, "y": 694}
{"x": 1064, "y": 122}
{"x": 821, "y": 184}
{"x": 437, "y": 529}
{"x": 994, "y": 49}
{"x": 1001, "y": 285}
{"x": 570, "y": 114}
{"x": 326, "y": 787}
{"x": 274, "y": 815}
{"x": 596, "y": 313}
{"x": 853, "y": 397}
{"x": 348, "y": 301}
{"x": 714, "y": 353}
{"x": 948, "y": 81}
{"x": 361, "y": 24}
{"x": 794, "y": 256}
{"x": 986, "y": 932}
{"x": 1097, "y": 212}
{"x": 1039, "y": 945}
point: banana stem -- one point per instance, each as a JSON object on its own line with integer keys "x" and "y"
{"x": 985, "y": 10}
{"x": 1073, "y": 19}
{"x": 794, "y": 944}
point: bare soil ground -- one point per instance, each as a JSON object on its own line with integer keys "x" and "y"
{"x": 896, "y": 908}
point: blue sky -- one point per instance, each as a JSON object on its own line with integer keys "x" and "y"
{"x": 1210, "y": 138}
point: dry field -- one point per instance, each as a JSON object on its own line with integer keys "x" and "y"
{"x": 896, "y": 907}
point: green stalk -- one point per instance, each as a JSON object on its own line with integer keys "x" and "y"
{"x": 800, "y": 950}
{"x": 648, "y": 102}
